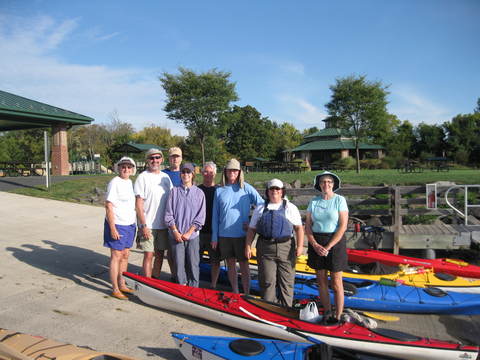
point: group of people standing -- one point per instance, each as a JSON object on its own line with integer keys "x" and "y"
{"x": 179, "y": 220}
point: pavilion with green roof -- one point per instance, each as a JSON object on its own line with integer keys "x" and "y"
{"x": 322, "y": 146}
{"x": 19, "y": 113}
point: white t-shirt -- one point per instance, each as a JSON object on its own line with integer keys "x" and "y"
{"x": 291, "y": 213}
{"x": 154, "y": 189}
{"x": 120, "y": 194}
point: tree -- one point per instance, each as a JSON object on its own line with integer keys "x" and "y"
{"x": 288, "y": 137}
{"x": 22, "y": 145}
{"x": 249, "y": 134}
{"x": 309, "y": 131}
{"x": 157, "y": 135}
{"x": 198, "y": 100}
{"x": 359, "y": 105}
{"x": 430, "y": 140}
{"x": 477, "y": 109}
{"x": 463, "y": 137}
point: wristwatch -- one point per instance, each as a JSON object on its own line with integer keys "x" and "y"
{"x": 141, "y": 226}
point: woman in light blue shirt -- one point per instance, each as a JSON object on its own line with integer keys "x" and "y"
{"x": 325, "y": 226}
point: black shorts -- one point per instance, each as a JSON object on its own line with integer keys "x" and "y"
{"x": 337, "y": 258}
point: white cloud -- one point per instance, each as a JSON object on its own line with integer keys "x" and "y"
{"x": 31, "y": 66}
{"x": 409, "y": 104}
{"x": 301, "y": 112}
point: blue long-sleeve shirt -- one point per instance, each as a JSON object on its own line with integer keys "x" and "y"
{"x": 186, "y": 207}
{"x": 231, "y": 209}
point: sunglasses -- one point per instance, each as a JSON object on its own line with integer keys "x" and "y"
{"x": 273, "y": 188}
{"x": 126, "y": 166}
{"x": 186, "y": 172}
{"x": 154, "y": 157}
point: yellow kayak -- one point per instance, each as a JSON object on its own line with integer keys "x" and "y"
{"x": 18, "y": 346}
{"x": 407, "y": 275}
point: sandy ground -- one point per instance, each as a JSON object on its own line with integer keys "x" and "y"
{"x": 54, "y": 283}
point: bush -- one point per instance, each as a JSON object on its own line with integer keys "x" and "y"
{"x": 370, "y": 163}
{"x": 347, "y": 163}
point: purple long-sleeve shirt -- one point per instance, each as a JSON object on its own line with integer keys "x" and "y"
{"x": 186, "y": 207}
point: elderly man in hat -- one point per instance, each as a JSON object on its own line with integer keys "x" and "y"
{"x": 174, "y": 161}
{"x": 152, "y": 189}
{"x": 230, "y": 215}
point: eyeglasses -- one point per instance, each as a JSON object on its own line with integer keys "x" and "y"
{"x": 186, "y": 172}
{"x": 126, "y": 166}
{"x": 274, "y": 188}
{"x": 326, "y": 182}
{"x": 154, "y": 157}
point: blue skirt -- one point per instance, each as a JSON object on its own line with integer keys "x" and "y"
{"x": 127, "y": 236}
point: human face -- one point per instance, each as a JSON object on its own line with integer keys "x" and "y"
{"x": 175, "y": 161}
{"x": 208, "y": 176}
{"x": 274, "y": 194}
{"x": 326, "y": 184}
{"x": 154, "y": 162}
{"x": 232, "y": 175}
{"x": 125, "y": 170}
{"x": 187, "y": 177}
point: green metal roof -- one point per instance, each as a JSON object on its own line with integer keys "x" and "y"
{"x": 17, "y": 112}
{"x": 329, "y": 132}
{"x": 136, "y": 148}
{"x": 334, "y": 145}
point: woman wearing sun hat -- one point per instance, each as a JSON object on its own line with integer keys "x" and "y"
{"x": 325, "y": 226}
{"x": 120, "y": 223}
{"x": 277, "y": 250}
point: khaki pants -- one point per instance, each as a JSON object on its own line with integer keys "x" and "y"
{"x": 276, "y": 271}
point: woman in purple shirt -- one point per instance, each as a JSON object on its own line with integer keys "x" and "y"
{"x": 185, "y": 216}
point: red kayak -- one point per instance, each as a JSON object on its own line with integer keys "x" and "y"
{"x": 449, "y": 266}
{"x": 255, "y": 315}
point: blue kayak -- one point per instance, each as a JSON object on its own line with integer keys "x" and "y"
{"x": 376, "y": 296}
{"x": 194, "y": 347}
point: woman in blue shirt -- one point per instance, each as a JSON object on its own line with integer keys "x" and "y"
{"x": 325, "y": 226}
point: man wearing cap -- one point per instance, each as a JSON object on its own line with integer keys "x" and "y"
{"x": 277, "y": 250}
{"x": 174, "y": 161}
{"x": 230, "y": 216}
{"x": 185, "y": 216}
{"x": 208, "y": 187}
{"x": 152, "y": 189}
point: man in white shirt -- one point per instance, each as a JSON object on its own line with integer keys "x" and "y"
{"x": 152, "y": 189}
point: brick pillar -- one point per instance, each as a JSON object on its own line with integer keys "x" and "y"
{"x": 60, "y": 165}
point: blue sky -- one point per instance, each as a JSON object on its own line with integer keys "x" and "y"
{"x": 99, "y": 57}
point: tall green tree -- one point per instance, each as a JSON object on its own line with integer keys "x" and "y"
{"x": 22, "y": 145}
{"x": 430, "y": 140}
{"x": 287, "y": 137}
{"x": 249, "y": 134}
{"x": 198, "y": 100}
{"x": 359, "y": 105}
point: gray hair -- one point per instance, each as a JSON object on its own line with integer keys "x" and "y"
{"x": 210, "y": 164}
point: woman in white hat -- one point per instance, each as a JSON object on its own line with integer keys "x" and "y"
{"x": 120, "y": 224}
{"x": 325, "y": 226}
{"x": 277, "y": 250}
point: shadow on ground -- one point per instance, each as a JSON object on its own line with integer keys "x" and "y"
{"x": 83, "y": 266}
{"x": 466, "y": 328}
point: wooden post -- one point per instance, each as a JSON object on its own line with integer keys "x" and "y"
{"x": 397, "y": 219}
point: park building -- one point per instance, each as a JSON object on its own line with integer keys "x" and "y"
{"x": 320, "y": 149}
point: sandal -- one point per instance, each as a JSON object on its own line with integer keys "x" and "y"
{"x": 127, "y": 290}
{"x": 119, "y": 295}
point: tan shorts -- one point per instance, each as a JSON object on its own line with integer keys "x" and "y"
{"x": 158, "y": 241}
{"x": 232, "y": 248}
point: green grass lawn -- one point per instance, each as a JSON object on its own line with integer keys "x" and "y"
{"x": 77, "y": 190}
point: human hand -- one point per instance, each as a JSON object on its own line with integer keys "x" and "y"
{"x": 248, "y": 252}
{"x": 114, "y": 234}
{"x": 214, "y": 245}
{"x": 146, "y": 233}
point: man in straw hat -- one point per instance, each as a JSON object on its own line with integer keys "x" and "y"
{"x": 152, "y": 189}
{"x": 174, "y": 161}
{"x": 230, "y": 215}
